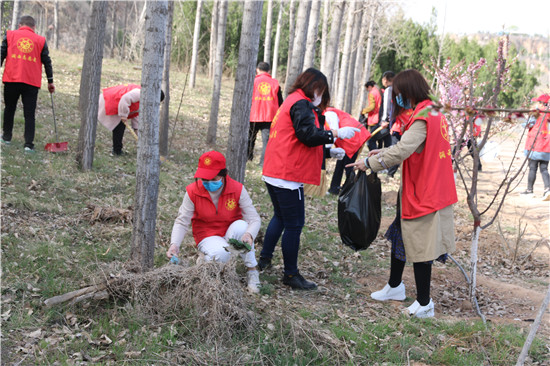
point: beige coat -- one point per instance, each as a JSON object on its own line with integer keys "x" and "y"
{"x": 123, "y": 110}
{"x": 429, "y": 236}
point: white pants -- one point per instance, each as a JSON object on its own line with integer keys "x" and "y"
{"x": 213, "y": 247}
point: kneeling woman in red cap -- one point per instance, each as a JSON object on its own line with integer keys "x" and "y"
{"x": 218, "y": 209}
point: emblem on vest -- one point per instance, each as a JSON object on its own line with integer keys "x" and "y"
{"x": 230, "y": 204}
{"x": 444, "y": 129}
{"x": 264, "y": 88}
{"x": 25, "y": 45}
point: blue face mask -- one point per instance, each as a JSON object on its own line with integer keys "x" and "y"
{"x": 212, "y": 185}
{"x": 399, "y": 100}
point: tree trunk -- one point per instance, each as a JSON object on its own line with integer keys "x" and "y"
{"x": 275, "y": 63}
{"x": 352, "y": 76}
{"x": 324, "y": 34}
{"x": 334, "y": 38}
{"x": 165, "y": 108}
{"x": 359, "y": 62}
{"x": 114, "y": 30}
{"x": 125, "y": 37}
{"x": 56, "y": 24}
{"x": 195, "y": 55}
{"x": 244, "y": 83}
{"x": 297, "y": 60}
{"x": 213, "y": 37}
{"x": 268, "y": 27}
{"x": 346, "y": 55}
{"x": 90, "y": 82}
{"x": 291, "y": 33}
{"x": 15, "y": 14}
{"x": 309, "y": 58}
{"x": 148, "y": 162}
{"x": 368, "y": 57}
{"x": 218, "y": 71}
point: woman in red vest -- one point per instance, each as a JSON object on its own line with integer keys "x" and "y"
{"x": 294, "y": 156}
{"x": 423, "y": 229}
{"x": 218, "y": 209}
{"x": 537, "y": 147}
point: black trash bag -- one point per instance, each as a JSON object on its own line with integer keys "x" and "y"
{"x": 359, "y": 210}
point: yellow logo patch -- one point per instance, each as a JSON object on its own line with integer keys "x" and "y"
{"x": 207, "y": 161}
{"x": 264, "y": 88}
{"x": 444, "y": 128}
{"x": 230, "y": 204}
{"x": 25, "y": 45}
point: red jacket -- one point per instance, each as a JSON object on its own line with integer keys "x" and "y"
{"x": 265, "y": 101}
{"x": 428, "y": 180}
{"x": 373, "y": 115}
{"x": 542, "y": 142}
{"x": 113, "y": 95}
{"x": 23, "y": 62}
{"x": 286, "y": 157}
{"x": 207, "y": 220}
{"x": 351, "y": 146}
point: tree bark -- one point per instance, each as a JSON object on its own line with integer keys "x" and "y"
{"x": 309, "y": 59}
{"x": 165, "y": 108}
{"x": 359, "y": 62}
{"x": 291, "y": 34}
{"x": 90, "y": 81}
{"x": 15, "y": 14}
{"x": 268, "y": 27}
{"x": 148, "y": 167}
{"x": 334, "y": 38}
{"x": 346, "y": 55}
{"x": 195, "y": 54}
{"x": 275, "y": 63}
{"x": 368, "y": 57}
{"x": 213, "y": 37}
{"x": 352, "y": 75}
{"x": 114, "y": 29}
{"x": 218, "y": 71}
{"x": 244, "y": 83}
{"x": 56, "y": 24}
{"x": 297, "y": 60}
{"x": 324, "y": 33}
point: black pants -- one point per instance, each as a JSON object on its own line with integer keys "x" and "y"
{"x": 252, "y": 132}
{"x": 29, "y": 96}
{"x": 375, "y": 143}
{"x": 339, "y": 170}
{"x": 118, "y": 134}
{"x": 533, "y": 164}
{"x": 422, "y": 278}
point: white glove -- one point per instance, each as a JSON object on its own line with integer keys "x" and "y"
{"x": 347, "y": 132}
{"x": 337, "y": 152}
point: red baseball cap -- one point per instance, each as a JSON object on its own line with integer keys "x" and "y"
{"x": 210, "y": 164}
{"x": 542, "y": 98}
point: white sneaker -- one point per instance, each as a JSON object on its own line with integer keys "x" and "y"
{"x": 546, "y": 195}
{"x": 419, "y": 311}
{"x": 253, "y": 280}
{"x": 390, "y": 293}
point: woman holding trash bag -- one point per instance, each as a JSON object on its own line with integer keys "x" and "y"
{"x": 423, "y": 229}
{"x": 294, "y": 156}
{"x": 218, "y": 209}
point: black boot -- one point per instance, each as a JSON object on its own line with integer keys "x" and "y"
{"x": 298, "y": 282}
{"x": 264, "y": 263}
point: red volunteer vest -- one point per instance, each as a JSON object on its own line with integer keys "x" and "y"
{"x": 374, "y": 114}
{"x": 285, "y": 156}
{"x": 209, "y": 221}
{"x": 23, "y": 62}
{"x": 401, "y": 120}
{"x": 351, "y": 146}
{"x": 265, "y": 101}
{"x": 542, "y": 142}
{"x": 113, "y": 95}
{"x": 428, "y": 181}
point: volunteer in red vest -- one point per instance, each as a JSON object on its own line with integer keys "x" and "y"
{"x": 372, "y": 110}
{"x": 423, "y": 229}
{"x": 537, "y": 148}
{"x": 335, "y": 119}
{"x": 266, "y": 99}
{"x": 117, "y": 105}
{"x": 294, "y": 156}
{"x": 24, "y": 52}
{"x": 218, "y": 209}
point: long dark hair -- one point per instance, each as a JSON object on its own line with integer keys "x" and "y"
{"x": 311, "y": 80}
{"x": 411, "y": 85}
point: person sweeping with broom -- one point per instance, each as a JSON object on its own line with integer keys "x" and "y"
{"x": 117, "y": 105}
{"x": 220, "y": 212}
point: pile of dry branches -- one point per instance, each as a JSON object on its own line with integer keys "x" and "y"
{"x": 94, "y": 213}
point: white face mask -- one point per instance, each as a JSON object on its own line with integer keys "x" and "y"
{"x": 317, "y": 99}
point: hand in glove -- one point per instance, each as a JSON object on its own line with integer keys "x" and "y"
{"x": 347, "y": 132}
{"x": 337, "y": 152}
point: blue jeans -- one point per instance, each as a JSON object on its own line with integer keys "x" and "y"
{"x": 288, "y": 216}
